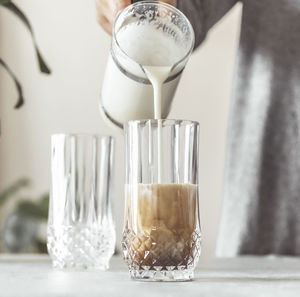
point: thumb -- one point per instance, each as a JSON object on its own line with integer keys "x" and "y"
{"x": 120, "y": 4}
{"x": 171, "y": 2}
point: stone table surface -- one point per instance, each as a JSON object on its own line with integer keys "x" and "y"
{"x": 32, "y": 275}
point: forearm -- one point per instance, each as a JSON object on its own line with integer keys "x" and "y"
{"x": 203, "y": 14}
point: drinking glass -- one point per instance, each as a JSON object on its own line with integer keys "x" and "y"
{"x": 162, "y": 235}
{"x": 81, "y": 231}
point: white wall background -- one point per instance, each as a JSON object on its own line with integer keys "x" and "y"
{"x": 76, "y": 49}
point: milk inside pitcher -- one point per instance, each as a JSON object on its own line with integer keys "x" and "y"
{"x": 147, "y": 33}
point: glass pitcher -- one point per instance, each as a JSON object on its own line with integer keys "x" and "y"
{"x": 127, "y": 93}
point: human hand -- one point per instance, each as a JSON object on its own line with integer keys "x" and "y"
{"x": 107, "y": 11}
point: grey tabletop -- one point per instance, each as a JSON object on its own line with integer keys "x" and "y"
{"x": 32, "y": 275}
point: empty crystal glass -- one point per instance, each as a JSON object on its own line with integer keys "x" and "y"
{"x": 81, "y": 231}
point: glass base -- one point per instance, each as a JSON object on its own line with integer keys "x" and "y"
{"x": 160, "y": 276}
{"x": 103, "y": 266}
{"x": 80, "y": 247}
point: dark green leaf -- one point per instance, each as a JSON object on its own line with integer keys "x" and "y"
{"x": 13, "y": 8}
{"x": 13, "y": 189}
{"x": 41, "y": 246}
{"x": 43, "y": 205}
{"x": 36, "y": 210}
{"x": 29, "y": 209}
{"x": 4, "y": 1}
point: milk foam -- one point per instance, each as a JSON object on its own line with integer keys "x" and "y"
{"x": 149, "y": 46}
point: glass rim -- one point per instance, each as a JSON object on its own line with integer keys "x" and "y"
{"x": 169, "y": 122}
{"x": 81, "y": 134}
{"x": 157, "y": 3}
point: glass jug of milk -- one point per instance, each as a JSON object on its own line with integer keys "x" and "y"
{"x": 150, "y": 39}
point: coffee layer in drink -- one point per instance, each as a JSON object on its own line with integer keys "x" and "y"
{"x": 160, "y": 225}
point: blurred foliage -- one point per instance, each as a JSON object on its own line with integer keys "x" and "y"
{"x": 26, "y": 212}
{"x": 41, "y": 246}
{"x": 8, "y": 4}
{"x": 13, "y": 189}
{"x": 25, "y": 208}
{"x": 36, "y": 210}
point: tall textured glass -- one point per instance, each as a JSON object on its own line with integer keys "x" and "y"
{"x": 162, "y": 236}
{"x": 81, "y": 231}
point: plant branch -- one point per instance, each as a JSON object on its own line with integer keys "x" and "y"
{"x": 14, "y": 9}
{"x": 20, "y": 101}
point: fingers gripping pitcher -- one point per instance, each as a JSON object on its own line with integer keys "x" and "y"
{"x": 148, "y": 37}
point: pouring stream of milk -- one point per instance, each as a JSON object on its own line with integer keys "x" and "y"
{"x": 157, "y": 75}
{"x": 156, "y": 52}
